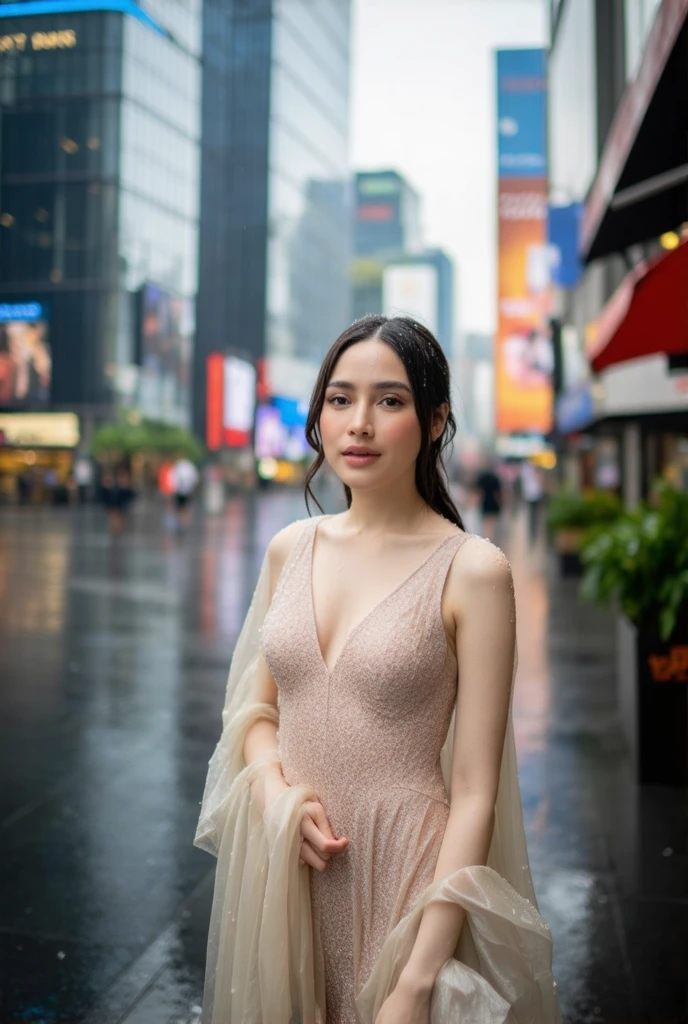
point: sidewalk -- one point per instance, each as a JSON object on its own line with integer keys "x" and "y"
{"x": 115, "y": 658}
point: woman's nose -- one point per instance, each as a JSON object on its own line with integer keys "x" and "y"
{"x": 361, "y": 422}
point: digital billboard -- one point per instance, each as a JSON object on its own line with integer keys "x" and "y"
{"x": 523, "y": 356}
{"x": 280, "y": 429}
{"x": 25, "y": 358}
{"x": 165, "y": 339}
{"x": 230, "y": 401}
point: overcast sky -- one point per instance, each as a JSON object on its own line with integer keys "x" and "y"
{"x": 424, "y": 104}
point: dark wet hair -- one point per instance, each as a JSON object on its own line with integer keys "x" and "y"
{"x": 428, "y": 373}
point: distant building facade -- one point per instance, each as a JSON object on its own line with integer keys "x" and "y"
{"x": 422, "y": 286}
{"x": 275, "y": 240}
{"x": 386, "y": 227}
{"x": 99, "y": 178}
{"x": 387, "y": 214}
{"x": 617, "y": 129}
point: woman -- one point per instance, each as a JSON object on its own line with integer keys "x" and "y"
{"x": 358, "y": 791}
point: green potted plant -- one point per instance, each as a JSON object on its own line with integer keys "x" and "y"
{"x": 640, "y": 563}
{"x": 571, "y": 515}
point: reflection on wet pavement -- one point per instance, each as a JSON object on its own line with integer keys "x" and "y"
{"x": 114, "y": 660}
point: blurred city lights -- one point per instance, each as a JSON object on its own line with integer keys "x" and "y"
{"x": 669, "y": 240}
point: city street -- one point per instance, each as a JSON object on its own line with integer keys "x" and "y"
{"x": 114, "y": 660}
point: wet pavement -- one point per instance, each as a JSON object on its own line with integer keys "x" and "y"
{"x": 114, "y": 657}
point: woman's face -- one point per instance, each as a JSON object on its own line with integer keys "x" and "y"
{"x": 369, "y": 409}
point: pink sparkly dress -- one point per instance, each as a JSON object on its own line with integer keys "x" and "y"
{"x": 370, "y": 738}
{"x": 366, "y": 736}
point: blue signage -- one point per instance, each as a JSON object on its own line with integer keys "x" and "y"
{"x": 292, "y": 413}
{"x": 563, "y": 230}
{"x": 21, "y": 10}
{"x": 13, "y": 311}
{"x": 575, "y": 410}
{"x": 521, "y": 113}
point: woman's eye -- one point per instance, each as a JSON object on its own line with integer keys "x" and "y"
{"x": 337, "y": 400}
{"x": 392, "y": 400}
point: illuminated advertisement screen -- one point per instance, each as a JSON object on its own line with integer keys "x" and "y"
{"x": 239, "y": 401}
{"x": 280, "y": 430}
{"x": 523, "y": 355}
{"x": 230, "y": 401}
{"x": 165, "y": 333}
{"x": 25, "y": 359}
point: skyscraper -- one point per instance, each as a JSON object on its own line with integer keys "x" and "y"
{"x": 99, "y": 162}
{"x": 275, "y": 221}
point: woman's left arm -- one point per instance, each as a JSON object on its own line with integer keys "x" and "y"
{"x": 481, "y": 598}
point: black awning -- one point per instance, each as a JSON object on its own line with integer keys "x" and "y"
{"x": 641, "y": 186}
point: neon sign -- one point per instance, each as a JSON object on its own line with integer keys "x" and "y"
{"x": 20, "y": 311}
{"x": 20, "y": 41}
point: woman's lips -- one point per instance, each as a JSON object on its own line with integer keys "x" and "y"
{"x": 360, "y": 460}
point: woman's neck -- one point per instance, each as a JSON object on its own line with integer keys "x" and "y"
{"x": 392, "y": 510}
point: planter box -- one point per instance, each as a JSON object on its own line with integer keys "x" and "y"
{"x": 653, "y": 702}
{"x": 567, "y": 544}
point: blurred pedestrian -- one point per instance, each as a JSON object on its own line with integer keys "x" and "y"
{"x": 489, "y": 487}
{"x": 117, "y": 494}
{"x": 83, "y": 475}
{"x": 185, "y": 481}
{"x": 533, "y": 492}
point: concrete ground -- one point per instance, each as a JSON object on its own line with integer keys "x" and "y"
{"x": 113, "y": 661}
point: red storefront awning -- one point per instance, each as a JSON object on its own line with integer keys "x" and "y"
{"x": 647, "y": 314}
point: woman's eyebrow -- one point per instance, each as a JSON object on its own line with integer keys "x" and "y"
{"x": 382, "y": 385}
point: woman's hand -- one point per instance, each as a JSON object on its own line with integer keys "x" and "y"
{"x": 318, "y": 844}
{"x": 409, "y": 1003}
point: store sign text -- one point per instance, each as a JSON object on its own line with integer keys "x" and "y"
{"x": 19, "y": 42}
{"x": 671, "y": 667}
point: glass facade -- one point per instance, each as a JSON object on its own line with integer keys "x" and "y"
{"x": 275, "y": 210}
{"x": 573, "y": 103}
{"x": 99, "y": 187}
{"x": 309, "y": 245}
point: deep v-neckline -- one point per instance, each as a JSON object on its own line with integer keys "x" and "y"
{"x": 395, "y": 590}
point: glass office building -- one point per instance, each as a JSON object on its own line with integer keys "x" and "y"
{"x": 99, "y": 182}
{"x": 275, "y": 214}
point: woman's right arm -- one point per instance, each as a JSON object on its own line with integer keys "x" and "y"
{"x": 262, "y": 736}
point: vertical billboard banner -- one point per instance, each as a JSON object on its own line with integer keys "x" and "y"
{"x": 523, "y": 355}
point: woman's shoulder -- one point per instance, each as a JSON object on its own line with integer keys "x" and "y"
{"x": 481, "y": 563}
{"x": 283, "y": 543}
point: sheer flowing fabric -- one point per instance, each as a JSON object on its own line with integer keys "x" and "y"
{"x": 264, "y": 965}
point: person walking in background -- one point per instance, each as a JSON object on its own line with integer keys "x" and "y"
{"x": 83, "y": 475}
{"x": 185, "y": 481}
{"x": 117, "y": 494}
{"x": 532, "y": 491}
{"x": 489, "y": 487}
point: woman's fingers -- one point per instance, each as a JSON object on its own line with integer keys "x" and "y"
{"x": 317, "y": 813}
{"x": 320, "y": 843}
{"x": 309, "y": 856}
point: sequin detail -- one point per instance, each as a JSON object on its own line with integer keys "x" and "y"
{"x": 366, "y": 735}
